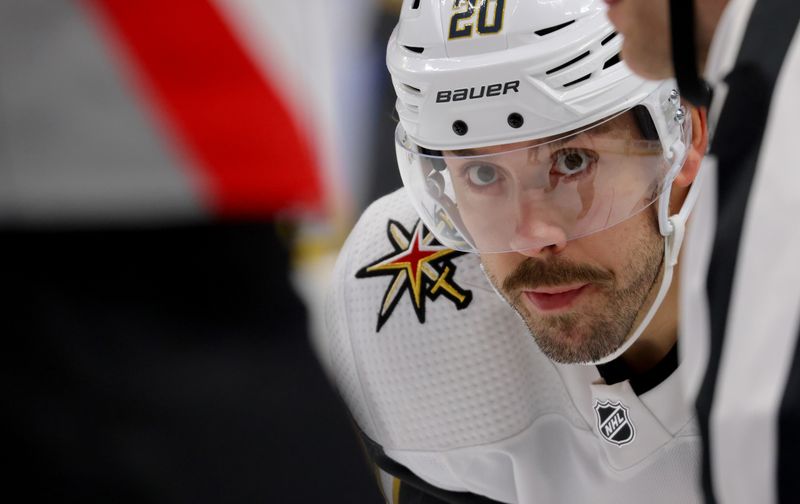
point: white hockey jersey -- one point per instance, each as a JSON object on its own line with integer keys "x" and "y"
{"x": 441, "y": 373}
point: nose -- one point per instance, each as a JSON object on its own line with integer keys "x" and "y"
{"x": 537, "y": 232}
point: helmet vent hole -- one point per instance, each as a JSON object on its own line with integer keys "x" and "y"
{"x": 410, "y": 89}
{"x": 609, "y": 38}
{"x": 568, "y": 63}
{"x": 515, "y": 120}
{"x": 460, "y": 128}
{"x": 418, "y": 50}
{"x": 548, "y": 31}
{"x": 612, "y": 61}
{"x": 415, "y": 5}
{"x": 581, "y": 79}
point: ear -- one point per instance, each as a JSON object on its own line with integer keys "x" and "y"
{"x": 697, "y": 149}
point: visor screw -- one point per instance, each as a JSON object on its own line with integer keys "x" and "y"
{"x": 680, "y": 115}
{"x": 674, "y": 97}
{"x": 460, "y": 128}
{"x": 515, "y": 120}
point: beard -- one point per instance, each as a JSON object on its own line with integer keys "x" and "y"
{"x": 597, "y": 330}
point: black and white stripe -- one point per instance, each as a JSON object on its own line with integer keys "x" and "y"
{"x": 750, "y": 397}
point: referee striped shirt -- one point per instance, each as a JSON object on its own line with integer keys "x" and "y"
{"x": 741, "y": 274}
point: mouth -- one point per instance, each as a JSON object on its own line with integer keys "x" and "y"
{"x": 550, "y": 299}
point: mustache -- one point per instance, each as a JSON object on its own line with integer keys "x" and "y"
{"x": 532, "y": 273}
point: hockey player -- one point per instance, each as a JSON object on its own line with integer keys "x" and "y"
{"x": 538, "y": 166}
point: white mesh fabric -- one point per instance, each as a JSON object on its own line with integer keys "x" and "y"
{"x": 341, "y": 363}
{"x": 462, "y": 378}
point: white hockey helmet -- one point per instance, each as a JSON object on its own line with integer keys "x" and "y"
{"x": 536, "y": 83}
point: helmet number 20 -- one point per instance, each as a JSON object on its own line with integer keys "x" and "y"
{"x": 490, "y": 17}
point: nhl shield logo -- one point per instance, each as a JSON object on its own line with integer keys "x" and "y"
{"x": 613, "y": 422}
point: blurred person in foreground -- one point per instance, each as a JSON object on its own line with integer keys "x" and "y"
{"x": 741, "y": 306}
{"x": 504, "y": 327}
{"x": 155, "y": 351}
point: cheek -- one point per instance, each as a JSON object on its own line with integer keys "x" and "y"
{"x": 600, "y": 250}
{"x": 618, "y": 248}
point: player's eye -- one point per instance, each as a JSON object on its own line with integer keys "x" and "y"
{"x": 482, "y": 175}
{"x": 572, "y": 162}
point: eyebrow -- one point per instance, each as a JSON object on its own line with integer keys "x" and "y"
{"x": 477, "y": 153}
{"x": 603, "y": 127}
{"x": 467, "y": 153}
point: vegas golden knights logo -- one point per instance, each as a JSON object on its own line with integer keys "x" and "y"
{"x": 613, "y": 422}
{"x": 419, "y": 265}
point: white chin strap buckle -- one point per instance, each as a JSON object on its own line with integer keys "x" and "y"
{"x": 675, "y": 239}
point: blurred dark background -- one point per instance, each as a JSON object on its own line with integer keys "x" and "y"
{"x": 175, "y": 178}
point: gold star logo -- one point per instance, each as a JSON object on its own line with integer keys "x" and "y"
{"x": 420, "y": 265}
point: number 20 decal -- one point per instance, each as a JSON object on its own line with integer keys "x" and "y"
{"x": 490, "y": 17}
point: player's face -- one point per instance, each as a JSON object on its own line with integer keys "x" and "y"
{"x": 580, "y": 298}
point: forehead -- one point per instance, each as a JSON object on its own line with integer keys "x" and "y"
{"x": 620, "y": 126}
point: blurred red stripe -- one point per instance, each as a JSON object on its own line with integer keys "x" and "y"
{"x": 221, "y": 106}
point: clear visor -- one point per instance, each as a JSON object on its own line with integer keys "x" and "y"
{"x": 530, "y": 195}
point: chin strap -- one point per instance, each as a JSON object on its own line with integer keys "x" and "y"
{"x": 684, "y": 53}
